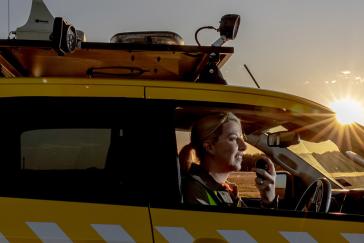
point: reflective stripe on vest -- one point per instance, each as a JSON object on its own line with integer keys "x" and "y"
{"x": 211, "y": 199}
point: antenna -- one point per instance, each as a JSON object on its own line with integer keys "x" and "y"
{"x": 39, "y": 25}
{"x": 8, "y": 16}
{"x": 251, "y": 75}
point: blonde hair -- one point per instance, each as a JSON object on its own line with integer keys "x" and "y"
{"x": 209, "y": 128}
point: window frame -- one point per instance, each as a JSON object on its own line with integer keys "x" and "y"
{"x": 77, "y": 112}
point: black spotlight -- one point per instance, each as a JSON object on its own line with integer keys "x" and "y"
{"x": 64, "y": 36}
{"x": 229, "y": 26}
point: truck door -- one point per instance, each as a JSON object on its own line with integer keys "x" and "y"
{"x": 68, "y": 171}
{"x": 175, "y": 221}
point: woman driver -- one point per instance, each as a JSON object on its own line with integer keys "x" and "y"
{"x": 219, "y": 145}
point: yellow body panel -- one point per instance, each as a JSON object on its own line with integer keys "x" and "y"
{"x": 74, "y": 219}
{"x": 168, "y": 90}
{"x": 68, "y": 88}
{"x": 204, "y": 225}
{"x": 234, "y": 97}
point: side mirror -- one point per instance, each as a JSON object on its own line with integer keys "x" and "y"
{"x": 281, "y": 184}
{"x": 284, "y": 186}
{"x": 283, "y": 139}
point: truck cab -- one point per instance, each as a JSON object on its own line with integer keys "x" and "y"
{"x": 91, "y": 135}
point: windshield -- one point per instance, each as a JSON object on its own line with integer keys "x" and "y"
{"x": 326, "y": 157}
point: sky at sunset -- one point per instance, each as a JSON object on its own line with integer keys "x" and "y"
{"x": 311, "y": 48}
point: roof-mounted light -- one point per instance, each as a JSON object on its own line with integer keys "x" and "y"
{"x": 148, "y": 37}
{"x": 64, "y": 36}
{"x": 229, "y": 26}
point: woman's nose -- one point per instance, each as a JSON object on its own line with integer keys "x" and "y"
{"x": 242, "y": 144}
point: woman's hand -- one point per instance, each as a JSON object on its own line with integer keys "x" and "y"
{"x": 265, "y": 182}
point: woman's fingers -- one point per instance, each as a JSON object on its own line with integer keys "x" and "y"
{"x": 270, "y": 164}
{"x": 263, "y": 185}
{"x": 271, "y": 168}
{"x": 265, "y": 180}
{"x": 265, "y": 175}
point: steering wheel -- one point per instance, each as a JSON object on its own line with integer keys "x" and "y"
{"x": 316, "y": 198}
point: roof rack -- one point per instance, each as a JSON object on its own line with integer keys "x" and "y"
{"x": 30, "y": 58}
{"x": 62, "y": 51}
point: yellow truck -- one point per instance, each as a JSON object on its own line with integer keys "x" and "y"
{"x": 90, "y": 136}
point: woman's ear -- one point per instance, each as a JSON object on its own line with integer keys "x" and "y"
{"x": 209, "y": 147}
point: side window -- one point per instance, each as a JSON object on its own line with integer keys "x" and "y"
{"x": 239, "y": 167}
{"x": 74, "y": 150}
{"x": 64, "y": 149}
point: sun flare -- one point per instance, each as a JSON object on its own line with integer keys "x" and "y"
{"x": 348, "y": 111}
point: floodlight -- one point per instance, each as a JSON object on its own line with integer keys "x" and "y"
{"x": 229, "y": 26}
{"x": 64, "y": 36}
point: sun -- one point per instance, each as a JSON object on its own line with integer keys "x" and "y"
{"x": 348, "y": 111}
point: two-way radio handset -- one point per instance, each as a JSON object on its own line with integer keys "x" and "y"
{"x": 261, "y": 164}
